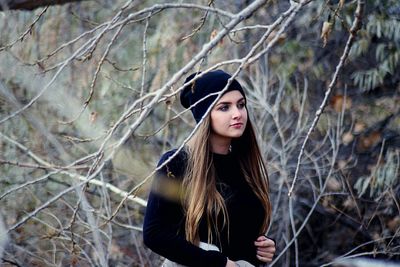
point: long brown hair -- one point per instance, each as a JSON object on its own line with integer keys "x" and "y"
{"x": 201, "y": 194}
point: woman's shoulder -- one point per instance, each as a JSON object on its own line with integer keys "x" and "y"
{"x": 174, "y": 162}
{"x": 173, "y": 157}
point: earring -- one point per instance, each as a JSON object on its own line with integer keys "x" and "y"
{"x": 230, "y": 148}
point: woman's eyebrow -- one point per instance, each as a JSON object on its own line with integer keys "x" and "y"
{"x": 227, "y": 102}
{"x": 224, "y": 103}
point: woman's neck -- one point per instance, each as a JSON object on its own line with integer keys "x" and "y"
{"x": 220, "y": 145}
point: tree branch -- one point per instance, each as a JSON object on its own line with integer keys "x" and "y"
{"x": 353, "y": 31}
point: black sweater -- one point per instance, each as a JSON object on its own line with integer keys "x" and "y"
{"x": 163, "y": 229}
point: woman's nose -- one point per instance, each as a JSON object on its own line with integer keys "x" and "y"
{"x": 236, "y": 113}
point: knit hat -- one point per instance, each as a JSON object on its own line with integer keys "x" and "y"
{"x": 211, "y": 82}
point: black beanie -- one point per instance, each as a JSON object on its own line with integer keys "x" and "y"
{"x": 211, "y": 82}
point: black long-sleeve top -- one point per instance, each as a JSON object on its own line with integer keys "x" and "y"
{"x": 164, "y": 223}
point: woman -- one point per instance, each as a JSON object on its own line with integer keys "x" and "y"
{"x": 215, "y": 191}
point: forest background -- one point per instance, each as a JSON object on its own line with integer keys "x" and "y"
{"x": 88, "y": 103}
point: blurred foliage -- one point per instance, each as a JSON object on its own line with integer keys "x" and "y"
{"x": 382, "y": 178}
{"x": 379, "y": 43}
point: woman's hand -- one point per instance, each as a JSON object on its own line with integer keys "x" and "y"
{"x": 230, "y": 263}
{"x": 265, "y": 248}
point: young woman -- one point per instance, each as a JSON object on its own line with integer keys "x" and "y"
{"x": 215, "y": 191}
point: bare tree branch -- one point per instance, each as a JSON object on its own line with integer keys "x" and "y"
{"x": 353, "y": 32}
{"x": 28, "y": 31}
{"x": 60, "y": 170}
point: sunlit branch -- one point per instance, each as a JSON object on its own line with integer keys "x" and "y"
{"x": 62, "y": 170}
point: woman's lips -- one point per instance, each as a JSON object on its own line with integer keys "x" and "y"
{"x": 237, "y": 125}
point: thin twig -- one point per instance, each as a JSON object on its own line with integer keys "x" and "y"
{"x": 93, "y": 83}
{"x": 353, "y": 31}
{"x": 28, "y": 31}
{"x": 85, "y": 50}
{"x": 61, "y": 170}
{"x": 197, "y": 29}
{"x": 144, "y": 62}
{"x": 38, "y": 166}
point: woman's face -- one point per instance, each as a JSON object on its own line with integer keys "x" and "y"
{"x": 229, "y": 116}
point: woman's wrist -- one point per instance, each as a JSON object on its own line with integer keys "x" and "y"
{"x": 230, "y": 263}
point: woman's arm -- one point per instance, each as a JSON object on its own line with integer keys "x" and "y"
{"x": 163, "y": 220}
{"x": 230, "y": 263}
{"x": 161, "y": 234}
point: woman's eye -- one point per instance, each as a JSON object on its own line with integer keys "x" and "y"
{"x": 242, "y": 105}
{"x": 223, "y": 108}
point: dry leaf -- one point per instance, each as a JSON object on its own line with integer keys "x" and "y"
{"x": 213, "y": 35}
{"x": 347, "y": 138}
{"x": 359, "y": 127}
{"x": 282, "y": 38}
{"x": 325, "y": 32}
{"x": 370, "y": 140}
{"x": 333, "y": 184}
{"x": 349, "y": 204}
{"x": 168, "y": 102}
{"x": 394, "y": 224}
{"x": 342, "y": 164}
{"x": 116, "y": 251}
{"x": 41, "y": 66}
{"x": 338, "y": 101}
{"x": 376, "y": 236}
{"x": 74, "y": 260}
{"x": 93, "y": 116}
{"x": 51, "y": 233}
{"x": 326, "y": 201}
